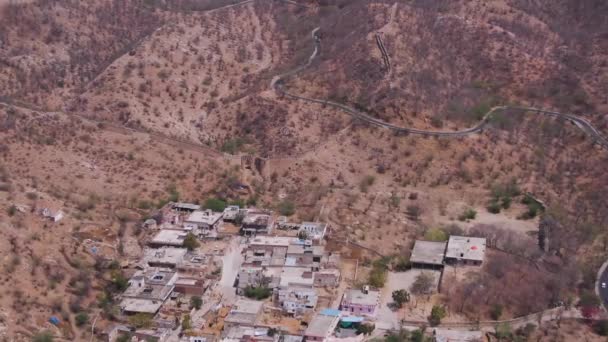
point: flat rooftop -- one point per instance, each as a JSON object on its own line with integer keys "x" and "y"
{"x": 321, "y": 325}
{"x": 186, "y": 206}
{"x": 165, "y": 255}
{"x": 245, "y": 311}
{"x": 141, "y": 305}
{"x": 358, "y": 297}
{"x": 204, "y": 217}
{"x": 466, "y": 248}
{"x": 428, "y": 252}
{"x": 293, "y": 276}
{"x": 169, "y": 237}
{"x": 301, "y": 249}
{"x": 272, "y": 241}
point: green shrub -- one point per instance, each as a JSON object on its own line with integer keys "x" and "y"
{"x": 44, "y": 336}
{"x": 493, "y": 207}
{"x": 196, "y": 302}
{"x": 233, "y": 146}
{"x": 81, "y": 319}
{"x": 287, "y": 208}
{"x": 496, "y": 312}
{"x": 191, "y": 242}
{"x": 215, "y": 204}
{"x": 366, "y": 182}
{"x": 257, "y": 292}
{"x": 437, "y": 314}
{"x": 468, "y": 214}
{"x": 435, "y": 234}
{"x": 11, "y": 211}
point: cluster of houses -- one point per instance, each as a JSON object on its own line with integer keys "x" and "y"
{"x": 294, "y": 272}
{"x": 292, "y": 268}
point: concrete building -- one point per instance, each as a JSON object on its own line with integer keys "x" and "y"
{"x": 244, "y": 313}
{"x": 190, "y": 285}
{"x": 303, "y": 255}
{"x": 315, "y": 231}
{"x": 264, "y": 257}
{"x": 185, "y": 207}
{"x": 203, "y": 220}
{"x": 297, "y": 301}
{"x": 465, "y": 250}
{"x": 147, "y": 291}
{"x": 163, "y": 257}
{"x": 297, "y": 277}
{"x": 169, "y": 237}
{"x": 270, "y": 242}
{"x": 360, "y": 302}
{"x": 256, "y": 276}
{"x": 326, "y": 278}
{"x": 321, "y": 327}
{"x": 257, "y": 222}
{"x": 231, "y": 213}
{"x": 428, "y": 254}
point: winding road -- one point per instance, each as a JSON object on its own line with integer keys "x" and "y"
{"x": 278, "y": 84}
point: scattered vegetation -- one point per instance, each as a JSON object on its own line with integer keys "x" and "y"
{"x": 400, "y": 297}
{"x": 378, "y": 273}
{"x": 438, "y": 313}
{"x": 287, "y": 208}
{"x": 191, "y": 242}
{"x": 468, "y": 214}
{"x": 257, "y": 292}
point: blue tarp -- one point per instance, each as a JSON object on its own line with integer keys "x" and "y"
{"x": 352, "y": 319}
{"x": 54, "y": 320}
{"x": 331, "y": 312}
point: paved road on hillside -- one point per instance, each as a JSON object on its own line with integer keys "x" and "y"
{"x": 278, "y": 84}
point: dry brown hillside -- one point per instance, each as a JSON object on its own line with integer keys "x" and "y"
{"x": 92, "y": 93}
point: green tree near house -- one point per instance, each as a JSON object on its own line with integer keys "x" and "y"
{"x": 215, "y": 204}
{"x": 400, "y": 297}
{"x": 191, "y": 242}
{"x": 196, "y": 302}
{"x": 437, "y": 314}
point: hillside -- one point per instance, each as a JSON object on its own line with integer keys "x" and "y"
{"x": 111, "y": 108}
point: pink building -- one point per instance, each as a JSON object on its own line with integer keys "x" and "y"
{"x": 360, "y": 302}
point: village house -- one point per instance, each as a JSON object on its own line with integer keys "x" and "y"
{"x": 465, "y": 250}
{"x": 190, "y": 285}
{"x": 168, "y": 257}
{"x": 303, "y": 255}
{"x": 297, "y": 301}
{"x": 326, "y": 278}
{"x": 322, "y": 326}
{"x": 257, "y": 276}
{"x": 330, "y": 260}
{"x": 315, "y": 231}
{"x": 169, "y": 237}
{"x": 270, "y": 242}
{"x": 203, "y": 220}
{"x": 428, "y": 254}
{"x": 139, "y": 335}
{"x": 257, "y": 222}
{"x": 199, "y": 264}
{"x": 264, "y": 257}
{"x": 360, "y": 302}
{"x": 182, "y": 207}
{"x": 297, "y": 277}
{"x": 148, "y": 290}
{"x": 231, "y": 213}
{"x": 244, "y": 312}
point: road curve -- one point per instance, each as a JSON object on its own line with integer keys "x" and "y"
{"x": 278, "y": 84}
